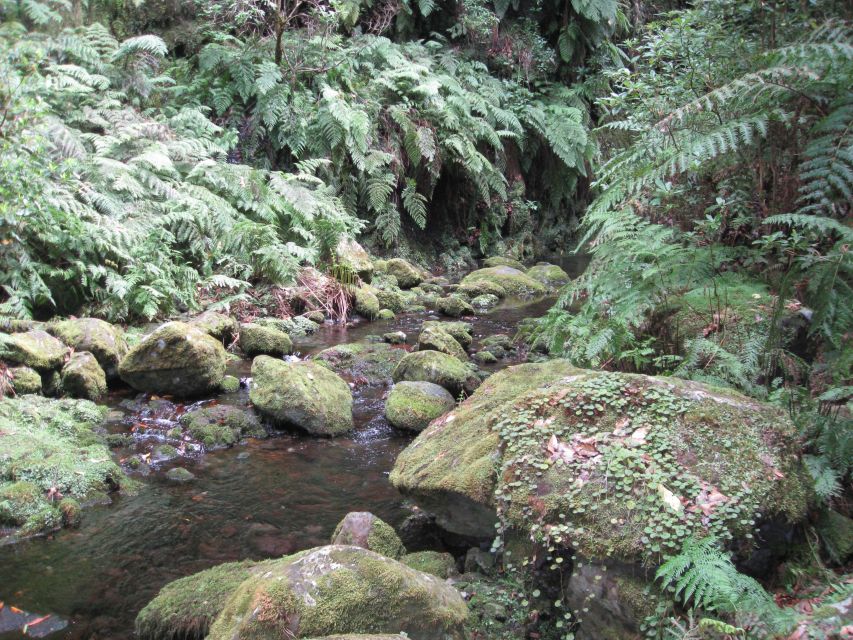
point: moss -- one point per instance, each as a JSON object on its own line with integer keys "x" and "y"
{"x": 438, "y": 368}
{"x": 441, "y": 565}
{"x": 371, "y": 362}
{"x": 25, "y": 380}
{"x": 461, "y": 331}
{"x": 23, "y": 504}
{"x": 221, "y": 425}
{"x": 217, "y": 325}
{"x": 395, "y": 337}
{"x": 407, "y": 275}
{"x": 363, "y": 529}
{"x": 316, "y": 316}
{"x": 501, "y": 261}
{"x": 485, "y": 301}
{"x": 392, "y": 300}
{"x": 454, "y": 306}
{"x": 295, "y": 327}
{"x": 176, "y": 359}
{"x": 180, "y": 475}
{"x": 351, "y": 255}
{"x": 35, "y": 348}
{"x": 550, "y": 275}
{"x": 436, "y": 339}
{"x": 229, "y": 384}
{"x": 413, "y": 405}
{"x": 51, "y": 384}
{"x": 301, "y": 394}
{"x": 71, "y": 512}
{"x": 82, "y": 377}
{"x": 256, "y": 340}
{"x": 103, "y": 340}
{"x": 482, "y": 287}
{"x": 484, "y": 357}
{"x": 514, "y": 282}
{"x": 386, "y": 314}
{"x": 366, "y": 302}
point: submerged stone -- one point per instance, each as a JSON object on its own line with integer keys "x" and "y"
{"x": 413, "y": 405}
{"x": 301, "y": 394}
{"x": 176, "y": 359}
{"x": 365, "y": 530}
{"x": 222, "y": 425}
{"x": 180, "y": 475}
{"x": 103, "y": 340}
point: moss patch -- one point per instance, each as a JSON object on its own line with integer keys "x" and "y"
{"x": 365, "y": 530}
{"x": 440, "y": 565}
{"x": 221, "y": 425}
{"x": 372, "y": 362}
{"x": 438, "y": 368}
{"x": 256, "y": 340}
{"x": 413, "y": 405}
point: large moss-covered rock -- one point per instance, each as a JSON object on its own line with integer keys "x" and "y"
{"x": 461, "y": 331}
{"x": 256, "y": 340}
{"x": 413, "y": 405}
{"x": 217, "y": 325}
{"x": 221, "y": 425}
{"x": 485, "y": 302}
{"x": 295, "y": 327}
{"x": 301, "y": 394}
{"x": 103, "y": 340}
{"x": 438, "y": 368}
{"x": 550, "y": 275}
{"x": 513, "y": 281}
{"x": 25, "y": 380}
{"x": 365, "y": 530}
{"x": 407, "y": 275}
{"x": 476, "y": 288}
{"x": 176, "y": 359}
{"x": 370, "y": 362}
{"x": 351, "y": 254}
{"x": 36, "y": 349}
{"x": 341, "y": 589}
{"x": 437, "y": 339}
{"x": 392, "y": 299}
{"x": 501, "y": 261}
{"x": 366, "y": 303}
{"x": 82, "y": 377}
{"x": 50, "y": 445}
{"x": 636, "y": 464}
{"x": 454, "y": 306}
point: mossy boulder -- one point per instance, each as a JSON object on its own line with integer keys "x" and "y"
{"x": 548, "y": 274}
{"x": 295, "y": 327}
{"x": 221, "y": 425}
{"x": 256, "y": 340}
{"x": 386, "y": 314}
{"x": 390, "y": 299}
{"x": 176, "y": 359}
{"x": 351, "y": 255}
{"x": 340, "y": 589}
{"x": 413, "y": 405}
{"x": 516, "y": 283}
{"x": 103, "y": 340}
{"x": 484, "y": 357}
{"x": 82, "y": 377}
{"x": 25, "y": 380}
{"x": 501, "y": 261}
{"x": 366, "y": 303}
{"x": 438, "y": 368}
{"x": 454, "y": 306}
{"x": 636, "y": 463}
{"x": 216, "y": 325}
{"x": 229, "y": 384}
{"x": 407, "y": 275}
{"x": 475, "y": 289}
{"x": 370, "y": 362}
{"x": 36, "y": 349}
{"x": 461, "y": 331}
{"x": 395, "y": 337}
{"x": 437, "y": 339}
{"x": 436, "y": 563}
{"x": 51, "y": 445}
{"x": 305, "y": 395}
{"x": 365, "y": 530}
{"x": 485, "y": 302}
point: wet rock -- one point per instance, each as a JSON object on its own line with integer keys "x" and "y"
{"x": 500, "y": 261}
{"x": 103, "y": 340}
{"x": 395, "y": 337}
{"x": 437, "y": 339}
{"x": 295, "y": 327}
{"x": 351, "y": 255}
{"x": 407, "y": 275}
{"x": 256, "y": 340}
{"x": 365, "y": 530}
{"x": 515, "y": 282}
{"x": 229, "y": 384}
{"x": 548, "y": 274}
{"x": 301, "y": 394}
{"x": 720, "y": 458}
{"x": 454, "y": 306}
{"x": 367, "y": 362}
{"x": 316, "y": 316}
{"x": 163, "y": 453}
{"x": 461, "y": 331}
{"x": 413, "y": 405}
{"x": 386, "y": 314}
{"x": 432, "y": 288}
{"x": 36, "y": 349}
{"x": 25, "y": 380}
{"x": 180, "y": 475}
{"x": 82, "y": 377}
{"x": 217, "y": 325}
{"x": 479, "y": 561}
{"x": 419, "y": 532}
{"x": 484, "y": 357}
{"x": 485, "y": 302}
{"x": 390, "y": 299}
{"x": 176, "y": 359}
{"x": 437, "y": 368}
{"x": 436, "y": 563}
{"x": 221, "y": 425}
{"x": 366, "y": 302}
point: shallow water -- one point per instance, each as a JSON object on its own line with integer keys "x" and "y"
{"x": 260, "y": 499}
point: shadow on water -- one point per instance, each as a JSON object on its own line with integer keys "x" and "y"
{"x": 263, "y": 498}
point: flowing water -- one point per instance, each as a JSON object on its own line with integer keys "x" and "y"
{"x": 260, "y": 499}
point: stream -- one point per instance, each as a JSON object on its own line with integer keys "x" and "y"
{"x": 259, "y": 499}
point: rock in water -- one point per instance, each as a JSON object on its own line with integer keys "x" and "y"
{"x": 301, "y": 394}
{"x": 216, "y": 325}
{"x": 413, "y": 405}
{"x": 407, "y": 275}
{"x": 437, "y": 339}
{"x": 460, "y": 330}
{"x": 82, "y": 377}
{"x": 103, "y": 340}
{"x": 454, "y": 306}
{"x": 365, "y": 530}
{"x": 500, "y": 261}
{"x": 366, "y": 302}
{"x": 548, "y": 274}
{"x": 438, "y": 368}
{"x": 176, "y": 359}
{"x": 513, "y": 281}
{"x": 256, "y": 340}
{"x": 36, "y": 349}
